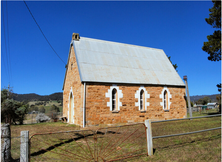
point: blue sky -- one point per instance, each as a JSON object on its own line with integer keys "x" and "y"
{"x": 29, "y": 64}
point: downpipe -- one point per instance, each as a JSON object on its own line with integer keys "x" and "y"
{"x": 84, "y": 106}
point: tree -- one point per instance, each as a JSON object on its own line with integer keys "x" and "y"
{"x": 42, "y": 109}
{"x": 4, "y": 93}
{"x": 7, "y": 106}
{"x": 54, "y": 108}
{"x": 213, "y": 46}
{"x": 20, "y": 111}
{"x": 219, "y": 87}
{"x": 8, "y": 111}
{"x": 204, "y": 101}
{"x": 33, "y": 108}
{"x": 12, "y": 111}
{"x": 53, "y": 111}
{"x": 174, "y": 65}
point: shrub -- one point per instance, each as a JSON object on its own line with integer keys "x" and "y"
{"x": 54, "y": 108}
{"x": 42, "y": 118}
{"x": 42, "y": 109}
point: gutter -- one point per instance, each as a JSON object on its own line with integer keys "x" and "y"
{"x": 84, "y": 106}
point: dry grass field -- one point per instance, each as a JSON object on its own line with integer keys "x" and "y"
{"x": 205, "y": 146}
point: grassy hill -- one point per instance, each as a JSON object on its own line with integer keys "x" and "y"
{"x": 35, "y": 97}
{"x": 59, "y": 97}
{"x": 197, "y": 97}
{"x": 46, "y": 105}
{"x": 37, "y": 101}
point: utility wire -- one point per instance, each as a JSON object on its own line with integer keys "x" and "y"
{"x": 7, "y": 32}
{"x": 7, "y": 58}
{"x": 42, "y": 32}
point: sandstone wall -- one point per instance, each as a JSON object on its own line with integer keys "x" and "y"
{"x": 73, "y": 85}
{"x": 97, "y": 111}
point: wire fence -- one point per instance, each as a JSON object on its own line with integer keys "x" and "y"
{"x": 201, "y": 110}
{"x": 15, "y": 147}
{"x": 103, "y": 144}
{"x": 199, "y": 139}
{"x": 123, "y": 142}
{"x": 12, "y": 143}
{"x": 186, "y": 125}
{"x": 62, "y": 146}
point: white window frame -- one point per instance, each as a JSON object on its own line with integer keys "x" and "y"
{"x": 168, "y": 99}
{"x": 142, "y": 100}
{"x": 137, "y": 95}
{"x": 119, "y": 95}
{"x": 114, "y": 103}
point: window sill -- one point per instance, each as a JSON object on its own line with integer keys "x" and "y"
{"x": 142, "y": 111}
{"x": 115, "y": 111}
{"x": 166, "y": 110}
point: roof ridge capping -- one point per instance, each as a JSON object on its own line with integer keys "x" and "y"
{"x": 121, "y": 43}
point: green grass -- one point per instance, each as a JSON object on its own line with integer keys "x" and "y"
{"x": 205, "y": 146}
{"x": 203, "y": 113}
{"x": 48, "y": 105}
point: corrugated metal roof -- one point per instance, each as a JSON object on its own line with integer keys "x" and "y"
{"x": 111, "y": 62}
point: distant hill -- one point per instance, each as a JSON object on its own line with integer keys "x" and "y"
{"x": 59, "y": 96}
{"x": 197, "y": 97}
{"x": 36, "y": 97}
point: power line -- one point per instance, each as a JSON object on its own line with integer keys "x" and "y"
{"x": 7, "y": 32}
{"x": 6, "y": 51}
{"x": 42, "y": 32}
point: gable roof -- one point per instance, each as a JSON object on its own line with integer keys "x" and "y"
{"x": 111, "y": 62}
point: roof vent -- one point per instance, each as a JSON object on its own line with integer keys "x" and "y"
{"x": 75, "y": 36}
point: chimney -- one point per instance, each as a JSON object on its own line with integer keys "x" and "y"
{"x": 75, "y": 36}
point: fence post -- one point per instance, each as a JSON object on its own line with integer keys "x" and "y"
{"x": 6, "y": 148}
{"x": 24, "y": 147}
{"x": 188, "y": 96}
{"x": 149, "y": 137}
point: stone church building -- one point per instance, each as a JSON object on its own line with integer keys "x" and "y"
{"x": 111, "y": 83}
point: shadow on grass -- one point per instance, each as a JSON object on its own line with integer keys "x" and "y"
{"x": 68, "y": 141}
{"x": 213, "y": 113}
{"x": 60, "y": 144}
{"x": 210, "y": 113}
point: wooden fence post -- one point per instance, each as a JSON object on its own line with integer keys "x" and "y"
{"x": 149, "y": 137}
{"x": 24, "y": 147}
{"x": 188, "y": 96}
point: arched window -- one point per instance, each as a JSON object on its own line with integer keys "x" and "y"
{"x": 142, "y": 96}
{"x": 114, "y": 99}
{"x": 114, "y": 94}
{"x": 142, "y": 100}
{"x": 166, "y": 96}
{"x": 165, "y": 99}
